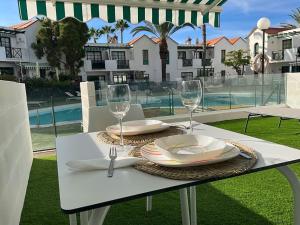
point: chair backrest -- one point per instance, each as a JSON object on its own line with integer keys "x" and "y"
{"x": 97, "y": 118}
{"x": 293, "y": 90}
{"x": 15, "y": 151}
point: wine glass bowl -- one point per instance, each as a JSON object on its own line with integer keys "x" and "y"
{"x": 191, "y": 94}
{"x": 118, "y": 100}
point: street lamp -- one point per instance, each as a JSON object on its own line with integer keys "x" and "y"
{"x": 263, "y": 24}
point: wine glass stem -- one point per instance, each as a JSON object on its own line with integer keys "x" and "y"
{"x": 121, "y": 132}
{"x": 191, "y": 127}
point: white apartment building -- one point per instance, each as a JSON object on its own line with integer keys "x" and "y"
{"x": 282, "y": 46}
{"x": 16, "y": 51}
{"x": 221, "y": 46}
{"x": 139, "y": 60}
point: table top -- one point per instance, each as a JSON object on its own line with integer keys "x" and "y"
{"x": 80, "y": 191}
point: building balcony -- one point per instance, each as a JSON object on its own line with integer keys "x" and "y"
{"x": 288, "y": 55}
{"x": 278, "y": 55}
{"x": 187, "y": 62}
{"x": 98, "y": 64}
{"x": 207, "y": 62}
{"x": 123, "y": 64}
{"x": 10, "y": 54}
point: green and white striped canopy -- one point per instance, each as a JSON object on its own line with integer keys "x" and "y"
{"x": 134, "y": 11}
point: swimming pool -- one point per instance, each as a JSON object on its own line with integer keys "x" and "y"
{"x": 72, "y": 113}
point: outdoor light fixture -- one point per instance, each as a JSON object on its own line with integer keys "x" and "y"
{"x": 263, "y": 24}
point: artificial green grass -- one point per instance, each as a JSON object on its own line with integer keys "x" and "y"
{"x": 256, "y": 199}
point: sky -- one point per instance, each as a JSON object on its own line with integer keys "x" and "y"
{"x": 238, "y": 18}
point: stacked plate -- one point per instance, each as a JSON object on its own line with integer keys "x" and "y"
{"x": 138, "y": 127}
{"x": 189, "y": 150}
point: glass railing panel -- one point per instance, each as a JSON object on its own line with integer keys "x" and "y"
{"x": 157, "y": 99}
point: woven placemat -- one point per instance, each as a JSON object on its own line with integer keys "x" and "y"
{"x": 138, "y": 140}
{"x": 228, "y": 168}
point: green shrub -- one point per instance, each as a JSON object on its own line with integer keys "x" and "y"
{"x": 8, "y": 78}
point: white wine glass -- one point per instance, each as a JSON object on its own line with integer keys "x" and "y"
{"x": 118, "y": 100}
{"x": 191, "y": 93}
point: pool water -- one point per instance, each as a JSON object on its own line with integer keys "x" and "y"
{"x": 67, "y": 114}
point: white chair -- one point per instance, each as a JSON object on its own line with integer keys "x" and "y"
{"x": 97, "y": 118}
{"x": 16, "y": 152}
{"x": 71, "y": 96}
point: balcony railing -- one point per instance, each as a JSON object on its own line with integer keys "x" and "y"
{"x": 15, "y": 53}
{"x": 187, "y": 62}
{"x": 123, "y": 64}
{"x": 206, "y": 62}
{"x": 278, "y": 55}
{"x": 98, "y": 64}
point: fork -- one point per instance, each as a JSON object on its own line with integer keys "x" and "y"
{"x": 112, "y": 155}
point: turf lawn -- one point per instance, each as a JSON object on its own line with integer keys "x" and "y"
{"x": 256, "y": 199}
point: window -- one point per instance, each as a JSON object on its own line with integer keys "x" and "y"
{"x": 223, "y": 73}
{"x": 286, "y": 44}
{"x": 181, "y": 55}
{"x": 145, "y": 57}
{"x": 256, "y": 49}
{"x": 198, "y": 55}
{"x": 187, "y": 75}
{"x": 94, "y": 56}
{"x": 118, "y": 55}
{"x": 223, "y": 56}
{"x": 120, "y": 78}
{"x": 6, "y": 71}
{"x": 5, "y": 42}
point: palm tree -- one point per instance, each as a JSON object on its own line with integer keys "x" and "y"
{"x": 296, "y": 17}
{"x": 162, "y": 32}
{"x": 203, "y": 27}
{"x": 94, "y": 34}
{"x": 122, "y": 25}
{"x": 107, "y": 30}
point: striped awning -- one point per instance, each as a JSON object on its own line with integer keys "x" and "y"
{"x": 134, "y": 11}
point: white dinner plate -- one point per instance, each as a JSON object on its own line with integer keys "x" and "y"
{"x": 189, "y": 147}
{"x": 138, "y": 127}
{"x": 153, "y": 154}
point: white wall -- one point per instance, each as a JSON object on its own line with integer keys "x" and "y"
{"x": 15, "y": 151}
{"x": 224, "y": 44}
{"x": 293, "y": 90}
{"x": 154, "y": 66}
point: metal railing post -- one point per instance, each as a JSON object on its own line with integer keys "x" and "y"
{"x": 53, "y": 117}
{"x": 230, "y": 103}
{"x": 255, "y": 95}
{"x": 173, "y": 111}
{"x": 170, "y": 104}
{"x": 38, "y": 122}
{"x": 203, "y": 92}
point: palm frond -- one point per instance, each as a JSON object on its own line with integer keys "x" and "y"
{"x": 176, "y": 28}
{"x": 149, "y": 27}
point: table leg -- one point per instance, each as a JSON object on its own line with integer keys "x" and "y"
{"x": 98, "y": 215}
{"x": 84, "y": 218}
{"x": 193, "y": 205}
{"x": 295, "y": 185}
{"x": 149, "y": 204}
{"x": 73, "y": 219}
{"x": 184, "y": 202}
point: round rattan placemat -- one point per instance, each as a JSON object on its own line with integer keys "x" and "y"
{"x": 138, "y": 140}
{"x": 228, "y": 168}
